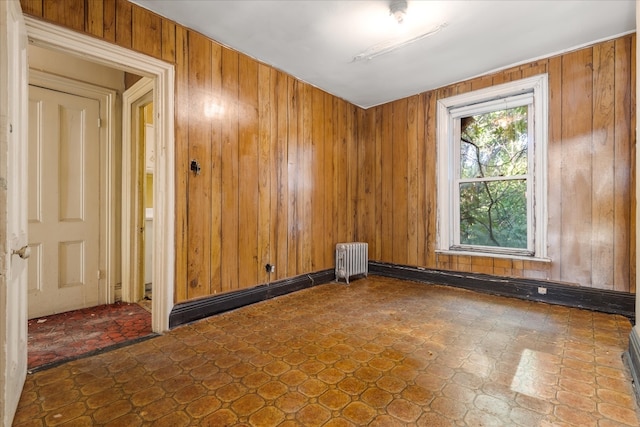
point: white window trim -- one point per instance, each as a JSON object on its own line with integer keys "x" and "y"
{"x": 447, "y": 158}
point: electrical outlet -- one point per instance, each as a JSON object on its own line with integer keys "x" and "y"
{"x": 542, "y": 290}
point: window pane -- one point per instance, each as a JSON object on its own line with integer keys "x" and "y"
{"x": 494, "y": 213}
{"x": 494, "y": 144}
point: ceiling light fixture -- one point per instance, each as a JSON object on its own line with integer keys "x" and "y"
{"x": 398, "y": 9}
{"x": 395, "y": 44}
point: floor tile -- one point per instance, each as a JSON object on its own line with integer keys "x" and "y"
{"x": 377, "y": 352}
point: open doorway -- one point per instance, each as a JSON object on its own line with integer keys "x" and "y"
{"x": 78, "y": 45}
{"x": 75, "y": 213}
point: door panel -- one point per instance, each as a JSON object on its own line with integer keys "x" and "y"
{"x": 64, "y": 210}
{"x": 13, "y": 219}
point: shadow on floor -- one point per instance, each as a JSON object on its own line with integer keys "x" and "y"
{"x": 59, "y": 338}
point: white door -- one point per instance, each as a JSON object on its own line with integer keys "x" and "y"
{"x": 64, "y": 196}
{"x": 13, "y": 208}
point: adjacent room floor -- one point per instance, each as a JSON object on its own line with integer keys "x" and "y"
{"x": 378, "y": 352}
{"x": 66, "y": 336}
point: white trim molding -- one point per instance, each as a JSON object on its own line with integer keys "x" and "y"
{"x": 132, "y": 218}
{"x": 446, "y": 160}
{"x": 53, "y": 37}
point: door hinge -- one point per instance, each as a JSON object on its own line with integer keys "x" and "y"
{"x": 99, "y": 123}
{"x": 99, "y": 275}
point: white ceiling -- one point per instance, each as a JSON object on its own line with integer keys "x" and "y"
{"x": 317, "y": 41}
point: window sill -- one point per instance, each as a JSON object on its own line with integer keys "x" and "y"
{"x": 493, "y": 255}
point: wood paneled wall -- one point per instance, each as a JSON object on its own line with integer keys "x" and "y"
{"x": 278, "y": 156}
{"x": 289, "y": 170}
{"x": 591, "y": 172}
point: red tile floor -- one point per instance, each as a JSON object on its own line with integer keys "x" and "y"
{"x": 67, "y": 336}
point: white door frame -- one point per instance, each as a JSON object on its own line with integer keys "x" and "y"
{"x": 63, "y": 40}
{"x": 132, "y": 210}
{"x": 107, "y": 98}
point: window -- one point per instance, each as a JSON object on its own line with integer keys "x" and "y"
{"x": 492, "y": 170}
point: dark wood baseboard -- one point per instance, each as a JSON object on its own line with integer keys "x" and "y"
{"x": 190, "y": 311}
{"x": 557, "y": 293}
{"x": 612, "y": 302}
{"x": 632, "y": 359}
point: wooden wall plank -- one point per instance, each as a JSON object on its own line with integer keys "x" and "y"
{"x": 307, "y": 181}
{"x": 280, "y": 176}
{"x": 422, "y": 190}
{"x": 109, "y": 21}
{"x": 352, "y": 172}
{"x": 94, "y": 20}
{"x": 554, "y": 168}
{"x": 123, "y": 23}
{"x": 146, "y": 32}
{"x": 341, "y": 161}
{"x": 182, "y": 161}
{"x": 331, "y": 176}
{"x": 482, "y": 82}
{"x": 534, "y": 68}
{"x": 199, "y": 184}
{"x": 266, "y": 164}
{"x": 576, "y": 165}
{"x": 366, "y": 207}
{"x": 508, "y": 75}
{"x": 412, "y": 181}
{"x": 32, "y": 7}
{"x": 623, "y": 106}
{"x": 399, "y": 182}
{"x": 215, "y": 107}
{"x": 229, "y": 162}
{"x": 430, "y": 178}
{"x": 317, "y": 164}
{"x": 387, "y": 160}
{"x": 603, "y": 180}
{"x": 248, "y": 171}
{"x": 69, "y": 13}
{"x": 376, "y": 252}
{"x": 168, "y": 42}
{"x": 293, "y": 174}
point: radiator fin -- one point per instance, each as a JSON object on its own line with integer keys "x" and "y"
{"x": 352, "y": 259}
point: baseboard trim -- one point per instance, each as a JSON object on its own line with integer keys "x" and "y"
{"x": 632, "y": 359}
{"x": 191, "y": 311}
{"x": 606, "y": 301}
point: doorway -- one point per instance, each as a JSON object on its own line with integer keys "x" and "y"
{"x": 138, "y": 182}
{"x": 75, "y": 44}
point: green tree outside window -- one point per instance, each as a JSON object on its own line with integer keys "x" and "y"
{"x": 493, "y": 178}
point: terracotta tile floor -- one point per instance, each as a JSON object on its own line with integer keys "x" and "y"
{"x": 378, "y": 352}
{"x": 54, "y": 339}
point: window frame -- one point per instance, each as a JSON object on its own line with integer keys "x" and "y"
{"x": 449, "y": 111}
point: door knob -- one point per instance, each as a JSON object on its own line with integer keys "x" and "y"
{"x": 24, "y": 252}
